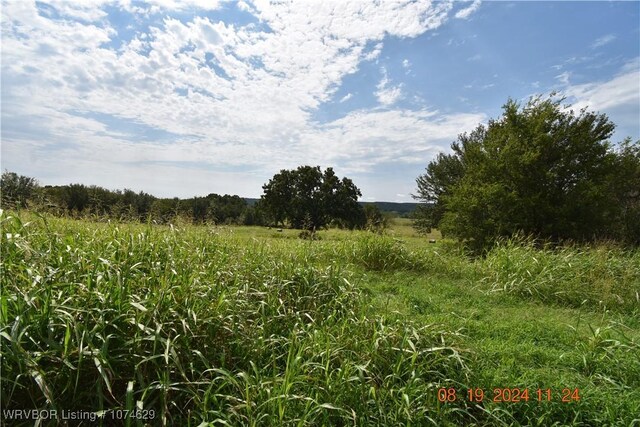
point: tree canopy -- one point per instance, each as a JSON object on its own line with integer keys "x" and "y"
{"x": 540, "y": 169}
{"x": 17, "y": 189}
{"x": 308, "y": 198}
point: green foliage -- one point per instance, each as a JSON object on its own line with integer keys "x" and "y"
{"x": 311, "y": 199}
{"x": 254, "y": 215}
{"x": 76, "y": 197}
{"x": 603, "y": 278}
{"x": 433, "y": 187}
{"x": 203, "y": 328}
{"x": 225, "y": 209}
{"x": 163, "y": 211}
{"x": 96, "y": 202}
{"x": 17, "y": 190}
{"x": 625, "y": 190}
{"x": 539, "y": 170}
{"x": 228, "y": 326}
{"x": 376, "y": 221}
{"x": 379, "y": 253}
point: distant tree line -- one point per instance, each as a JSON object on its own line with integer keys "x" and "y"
{"x": 127, "y": 205}
{"x": 305, "y": 198}
{"x": 540, "y": 170}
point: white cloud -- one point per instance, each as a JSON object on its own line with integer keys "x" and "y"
{"x": 226, "y": 95}
{"x": 619, "y": 97}
{"x": 388, "y": 95}
{"x": 365, "y": 138}
{"x": 374, "y": 53}
{"x": 406, "y": 63}
{"x": 346, "y": 98}
{"x": 161, "y": 6}
{"x": 604, "y": 40}
{"x": 304, "y": 61}
{"x": 244, "y": 6}
{"x": 89, "y": 10}
{"x": 563, "y": 78}
{"x": 468, "y": 11}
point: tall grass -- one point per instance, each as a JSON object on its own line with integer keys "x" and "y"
{"x": 213, "y": 325}
{"x": 378, "y": 253}
{"x": 602, "y": 277}
{"x": 199, "y": 327}
{"x": 385, "y": 253}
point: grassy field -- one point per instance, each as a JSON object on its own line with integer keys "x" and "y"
{"x": 200, "y": 325}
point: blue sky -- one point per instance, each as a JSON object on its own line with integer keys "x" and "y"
{"x": 186, "y": 98}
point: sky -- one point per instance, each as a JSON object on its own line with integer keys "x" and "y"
{"x": 186, "y": 98}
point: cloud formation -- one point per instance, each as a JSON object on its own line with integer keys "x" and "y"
{"x": 602, "y": 41}
{"x": 346, "y": 97}
{"x": 387, "y": 94}
{"x": 617, "y": 96}
{"x": 221, "y": 94}
{"x": 468, "y": 11}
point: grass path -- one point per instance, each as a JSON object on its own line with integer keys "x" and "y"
{"x": 514, "y": 343}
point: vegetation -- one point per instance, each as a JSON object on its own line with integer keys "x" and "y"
{"x": 201, "y": 323}
{"x": 376, "y": 220}
{"x": 246, "y": 326}
{"x": 602, "y": 277}
{"x": 392, "y": 209}
{"x": 539, "y": 170}
{"x": 307, "y": 198}
{"x": 17, "y": 190}
{"x": 79, "y": 200}
{"x": 313, "y": 201}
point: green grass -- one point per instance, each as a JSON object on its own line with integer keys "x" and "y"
{"x": 605, "y": 278}
{"x": 251, "y": 326}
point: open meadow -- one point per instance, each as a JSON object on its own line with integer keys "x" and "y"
{"x": 142, "y": 324}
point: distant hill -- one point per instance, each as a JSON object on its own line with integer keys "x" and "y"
{"x": 400, "y": 209}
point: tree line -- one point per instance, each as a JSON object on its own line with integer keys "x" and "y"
{"x": 540, "y": 170}
{"x": 81, "y": 200}
{"x": 305, "y": 198}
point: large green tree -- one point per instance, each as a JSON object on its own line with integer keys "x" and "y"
{"x": 540, "y": 169}
{"x": 625, "y": 189}
{"x": 308, "y": 198}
